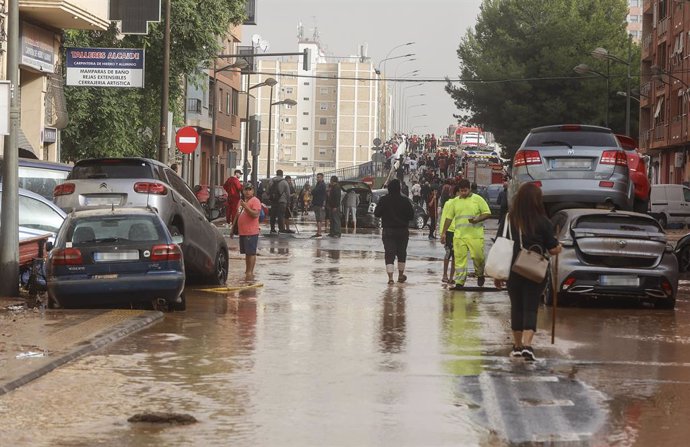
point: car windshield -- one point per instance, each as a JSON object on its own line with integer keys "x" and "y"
{"x": 621, "y": 222}
{"x": 96, "y": 169}
{"x": 571, "y": 139}
{"x": 120, "y": 228}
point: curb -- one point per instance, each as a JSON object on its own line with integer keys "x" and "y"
{"x": 114, "y": 334}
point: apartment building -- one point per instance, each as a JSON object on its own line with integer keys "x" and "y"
{"x": 665, "y": 89}
{"x": 635, "y": 19}
{"x": 336, "y": 119}
{"x": 43, "y": 110}
{"x": 201, "y": 98}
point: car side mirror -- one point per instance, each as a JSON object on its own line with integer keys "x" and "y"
{"x": 49, "y": 246}
{"x": 178, "y": 239}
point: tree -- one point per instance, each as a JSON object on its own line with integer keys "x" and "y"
{"x": 516, "y": 66}
{"x": 125, "y": 122}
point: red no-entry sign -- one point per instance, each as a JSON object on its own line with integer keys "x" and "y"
{"x": 187, "y": 139}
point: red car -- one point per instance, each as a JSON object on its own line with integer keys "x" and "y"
{"x": 638, "y": 172}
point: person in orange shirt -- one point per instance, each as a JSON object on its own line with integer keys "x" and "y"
{"x": 248, "y": 225}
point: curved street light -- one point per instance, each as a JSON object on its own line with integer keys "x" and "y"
{"x": 378, "y": 68}
{"x": 287, "y": 102}
{"x": 270, "y": 82}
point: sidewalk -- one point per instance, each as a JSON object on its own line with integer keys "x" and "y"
{"x": 33, "y": 342}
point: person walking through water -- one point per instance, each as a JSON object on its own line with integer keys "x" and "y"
{"x": 234, "y": 189}
{"x": 449, "y": 259}
{"x": 395, "y": 212}
{"x": 528, "y": 224}
{"x": 432, "y": 212}
{"x": 466, "y": 215}
{"x": 351, "y": 204}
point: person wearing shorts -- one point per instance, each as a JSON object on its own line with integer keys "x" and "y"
{"x": 318, "y": 201}
{"x": 449, "y": 258}
{"x": 248, "y": 224}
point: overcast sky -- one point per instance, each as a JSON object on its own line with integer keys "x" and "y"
{"x": 436, "y": 27}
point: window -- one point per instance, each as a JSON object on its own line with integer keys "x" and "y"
{"x": 227, "y": 103}
{"x": 306, "y": 143}
{"x": 305, "y": 98}
{"x": 322, "y": 152}
{"x": 323, "y": 121}
{"x": 288, "y": 106}
{"x": 235, "y": 102}
{"x": 288, "y": 90}
{"x": 305, "y": 113}
{"x": 220, "y": 101}
{"x": 633, "y": 3}
{"x": 288, "y": 120}
{"x": 38, "y": 215}
{"x": 194, "y": 105}
{"x": 305, "y": 128}
{"x": 323, "y": 106}
{"x": 633, "y": 18}
{"x": 306, "y": 83}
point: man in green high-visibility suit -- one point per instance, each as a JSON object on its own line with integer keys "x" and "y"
{"x": 466, "y": 215}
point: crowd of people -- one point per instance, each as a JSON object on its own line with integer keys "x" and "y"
{"x": 456, "y": 208}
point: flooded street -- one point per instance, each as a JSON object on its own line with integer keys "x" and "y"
{"x": 325, "y": 353}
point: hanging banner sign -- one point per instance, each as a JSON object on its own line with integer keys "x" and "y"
{"x": 105, "y": 67}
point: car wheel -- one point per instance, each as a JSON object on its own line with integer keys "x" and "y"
{"x": 220, "y": 275}
{"x": 179, "y": 304}
{"x": 419, "y": 222}
{"x": 684, "y": 259}
{"x": 668, "y": 303}
{"x": 663, "y": 221}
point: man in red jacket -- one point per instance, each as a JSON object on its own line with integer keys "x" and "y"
{"x": 234, "y": 189}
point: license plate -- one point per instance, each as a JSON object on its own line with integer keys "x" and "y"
{"x": 619, "y": 280}
{"x": 99, "y": 201}
{"x": 571, "y": 163}
{"x": 110, "y": 276}
{"x": 124, "y": 255}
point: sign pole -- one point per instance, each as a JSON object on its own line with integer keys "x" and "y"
{"x": 163, "y": 143}
{"x": 9, "y": 222}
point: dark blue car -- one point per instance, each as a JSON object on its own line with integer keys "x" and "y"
{"x": 116, "y": 256}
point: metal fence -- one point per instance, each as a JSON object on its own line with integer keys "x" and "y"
{"x": 357, "y": 172}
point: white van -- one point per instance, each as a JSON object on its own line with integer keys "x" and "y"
{"x": 670, "y": 204}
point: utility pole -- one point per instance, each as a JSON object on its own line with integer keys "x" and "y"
{"x": 9, "y": 223}
{"x": 165, "y": 92}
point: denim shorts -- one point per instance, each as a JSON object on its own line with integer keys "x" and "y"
{"x": 248, "y": 244}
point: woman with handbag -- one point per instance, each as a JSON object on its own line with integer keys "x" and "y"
{"x": 533, "y": 235}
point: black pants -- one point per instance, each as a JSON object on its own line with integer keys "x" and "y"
{"x": 524, "y": 302}
{"x": 335, "y": 223}
{"x": 395, "y": 244}
{"x": 432, "y": 226}
{"x": 278, "y": 212}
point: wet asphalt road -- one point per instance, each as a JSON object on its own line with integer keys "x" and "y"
{"x": 326, "y": 354}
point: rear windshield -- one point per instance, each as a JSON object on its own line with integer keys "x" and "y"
{"x": 572, "y": 138}
{"x": 115, "y": 229}
{"x": 111, "y": 169}
{"x": 619, "y": 223}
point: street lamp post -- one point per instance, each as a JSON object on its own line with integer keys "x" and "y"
{"x": 585, "y": 69}
{"x": 270, "y": 82}
{"x": 240, "y": 63}
{"x": 287, "y": 102}
{"x": 403, "y": 92}
{"x": 602, "y": 53}
{"x": 404, "y": 102}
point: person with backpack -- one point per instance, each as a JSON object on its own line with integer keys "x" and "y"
{"x": 279, "y": 195}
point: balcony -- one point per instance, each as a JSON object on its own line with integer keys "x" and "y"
{"x": 676, "y": 130}
{"x": 646, "y": 45}
{"x": 662, "y": 29}
{"x": 645, "y": 94}
{"x": 67, "y": 14}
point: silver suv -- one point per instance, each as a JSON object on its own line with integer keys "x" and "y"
{"x": 576, "y": 166}
{"x": 141, "y": 182}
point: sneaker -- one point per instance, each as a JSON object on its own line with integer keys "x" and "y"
{"x": 480, "y": 281}
{"x": 287, "y": 231}
{"x": 317, "y": 236}
{"x": 516, "y": 352}
{"x": 457, "y": 287}
{"x": 528, "y": 354}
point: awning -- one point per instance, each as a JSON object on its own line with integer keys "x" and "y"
{"x": 23, "y": 143}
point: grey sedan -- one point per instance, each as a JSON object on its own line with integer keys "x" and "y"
{"x": 613, "y": 254}
{"x": 576, "y": 166}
